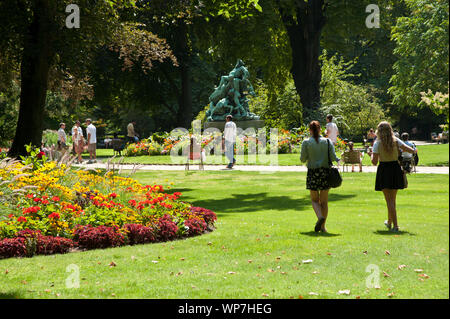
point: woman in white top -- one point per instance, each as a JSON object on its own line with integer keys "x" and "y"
{"x": 389, "y": 173}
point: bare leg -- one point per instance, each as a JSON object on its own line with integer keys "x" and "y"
{"x": 315, "y": 201}
{"x": 390, "y": 197}
{"x": 324, "y": 206}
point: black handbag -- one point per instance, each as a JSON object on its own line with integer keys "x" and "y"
{"x": 334, "y": 177}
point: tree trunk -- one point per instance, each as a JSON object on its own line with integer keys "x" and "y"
{"x": 184, "y": 116}
{"x": 304, "y": 34}
{"x": 35, "y": 65}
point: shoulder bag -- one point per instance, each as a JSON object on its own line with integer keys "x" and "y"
{"x": 334, "y": 177}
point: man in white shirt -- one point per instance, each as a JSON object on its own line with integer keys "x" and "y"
{"x": 332, "y": 130}
{"x": 91, "y": 133}
{"x": 62, "y": 135}
{"x": 230, "y": 139}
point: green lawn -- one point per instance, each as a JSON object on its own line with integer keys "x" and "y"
{"x": 264, "y": 233}
{"x": 429, "y": 155}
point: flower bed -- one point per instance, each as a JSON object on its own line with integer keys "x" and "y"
{"x": 163, "y": 143}
{"x": 53, "y": 209}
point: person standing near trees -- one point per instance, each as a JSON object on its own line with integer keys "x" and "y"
{"x": 62, "y": 138}
{"x": 78, "y": 140}
{"x": 91, "y": 135}
{"x": 131, "y": 133}
{"x": 390, "y": 176}
{"x": 371, "y": 136}
{"x": 315, "y": 152}
{"x": 332, "y": 130}
{"x": 230, "y": 139}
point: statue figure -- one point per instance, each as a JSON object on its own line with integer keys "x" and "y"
{"x": 229, "y": 97}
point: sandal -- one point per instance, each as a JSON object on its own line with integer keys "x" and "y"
{"x": 319, "y": 224}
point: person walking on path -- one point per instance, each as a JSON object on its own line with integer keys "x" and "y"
{"x": 230, "y": 139}
{"x": 315, "y": 152}
{"x": 390, "y": 177}
{"x": 332, "y": 130}
{"x": 91, "y": 135}
{"x": 78, "y": 140}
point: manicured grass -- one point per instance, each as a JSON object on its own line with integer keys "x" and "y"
{"x": 264, "y": 233}
{"x": 429, "y": 155}
{"x": 433, "y": 155}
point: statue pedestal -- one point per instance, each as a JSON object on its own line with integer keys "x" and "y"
{"x": 256, "y": 124}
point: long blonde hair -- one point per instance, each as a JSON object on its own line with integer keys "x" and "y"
{"x": 386, "y": 136}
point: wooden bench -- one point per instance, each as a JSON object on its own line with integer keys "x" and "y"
{"x": 117, "y": 145}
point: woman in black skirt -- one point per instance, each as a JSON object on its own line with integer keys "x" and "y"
{"x": 389, "y": 173}
{"x": 315, "y": 152}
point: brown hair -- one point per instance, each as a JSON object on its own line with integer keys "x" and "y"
{"x": 350, "y": 146}
{"x": 314, "y": 126}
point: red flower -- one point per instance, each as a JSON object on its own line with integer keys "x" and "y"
{"x": 113, "y": 195}
{"x": 132, "y": 202}
{"x": 55, "y": 198}
{"x": 45, "y": 202}
{"x": 29, "y": 195}
{"x": 37, "y": 199}
{"x": 33, "y": 209}
{"x": 21, "y": 219}
{"x": 10, "y": 215}
{"x": 54, "y": 216}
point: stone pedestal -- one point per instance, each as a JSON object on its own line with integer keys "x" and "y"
{"x": 256, "y": 124}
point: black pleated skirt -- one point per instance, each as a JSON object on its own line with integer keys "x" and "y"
{"x": 390, "y": 176}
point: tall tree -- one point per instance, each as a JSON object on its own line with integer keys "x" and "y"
{"x": 304, "y": 22}
{"x": 34, "y": 33}
{"x": 421, "y": 40}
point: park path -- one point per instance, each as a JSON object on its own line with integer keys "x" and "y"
{"x": 246, "y": 168}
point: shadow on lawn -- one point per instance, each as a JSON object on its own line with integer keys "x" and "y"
{"x": 11, "y": 295}
{"x": 390, "y": 233}
{"x": 246, "y": 203}
{"x": 319, "y": 234}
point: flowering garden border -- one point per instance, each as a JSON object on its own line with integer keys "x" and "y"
{"x": 51, "y": 208}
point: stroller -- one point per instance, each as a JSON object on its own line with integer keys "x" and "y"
{"x": 409, "y": 161}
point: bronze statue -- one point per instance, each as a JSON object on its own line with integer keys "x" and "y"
{"x": 230, "y": 96}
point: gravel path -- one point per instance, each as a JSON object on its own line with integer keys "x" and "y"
{"x": 250, "y": 168}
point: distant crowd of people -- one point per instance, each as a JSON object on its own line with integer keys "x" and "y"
{"x": 89, "y": 140}
{"x": 79, "y": 141}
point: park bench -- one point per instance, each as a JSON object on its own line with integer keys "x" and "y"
{"x": 351, "y": 158}
{"x": 440, "y": 138}
{"x": 117, "y": 145}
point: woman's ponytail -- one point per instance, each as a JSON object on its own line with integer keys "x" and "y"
{"x": 314, "y": 126}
